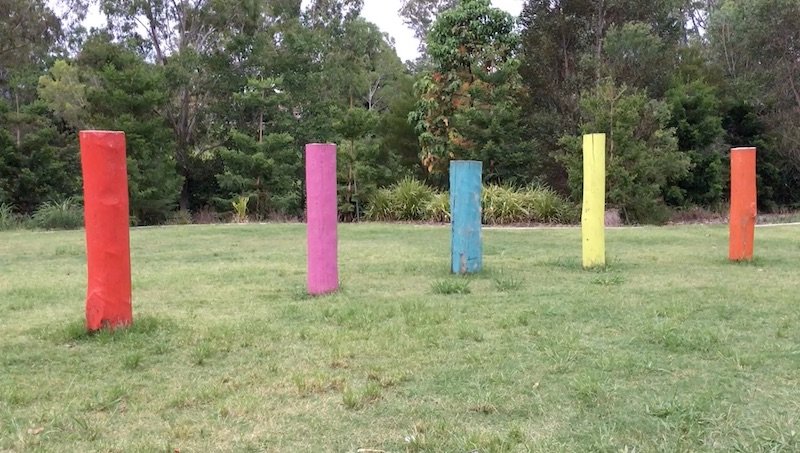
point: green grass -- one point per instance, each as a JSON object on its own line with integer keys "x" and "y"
{"x": 669, "y": 348}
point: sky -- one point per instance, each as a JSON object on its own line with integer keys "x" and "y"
{"x": 383, "y": 13}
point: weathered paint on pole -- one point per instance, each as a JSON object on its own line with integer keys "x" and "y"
{"x": 322, "y": 218}
{"x": 594, "y": 200}
{"x": 105, "y": 198}
{"x": 743, "y": 211}
{"x": 465, "y": 202}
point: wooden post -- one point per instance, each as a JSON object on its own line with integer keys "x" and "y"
{"x": 322, "y": 218}
{"x": 594, "y": 200}
{"x": 105, "y": 198}
{"x": 465, "y": 202}
{"x": 744, "y": 210}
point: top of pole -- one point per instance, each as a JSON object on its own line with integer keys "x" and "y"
{"x": 744, "y": 148}
{"x": 93, "y": 131}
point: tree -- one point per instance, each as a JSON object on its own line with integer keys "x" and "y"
{"x": 394, "y": 130}
{"x": 258, "y": 162}
{"x": 28, "y": 31}
{"x": 635, "y": 56}
{"x": 124, "y": 93}
{"x": 43, "y": 166}
{"x": 474, "y": 81}
{"x": 39, "y": 163}
{"x": 64, "y": 93}
{"x": 697, "y": 120}
{"x": 420, "y": 15}
{"x": 353, "y": 125}
{"x": 7, "y": 150}
{"x": 746, "y": 126}
{"x": 185, "y": 40}
{"x": 263, "y": 171}
{"x": 756, "y": 42}
{"x": 641, "y": 151}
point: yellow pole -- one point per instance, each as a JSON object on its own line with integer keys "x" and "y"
{"x": 594, "y": 200}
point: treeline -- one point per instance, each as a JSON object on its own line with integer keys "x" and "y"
{"x": 218, "y": 98}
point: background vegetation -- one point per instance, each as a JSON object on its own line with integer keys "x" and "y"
{"x": 218, "y": 99}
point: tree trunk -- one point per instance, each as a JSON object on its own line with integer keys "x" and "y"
{"x": 19, "y": 136}
{"x": 601, "y": 25}
{"x": 183, "y": 202}
{"x": 260, "y": 126}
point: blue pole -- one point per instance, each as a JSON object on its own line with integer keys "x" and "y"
{"x": 465, "y": 205}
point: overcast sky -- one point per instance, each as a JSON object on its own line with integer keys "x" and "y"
{"x": 383, "y": 13}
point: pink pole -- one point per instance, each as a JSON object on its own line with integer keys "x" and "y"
{"x": 322, "y": 216}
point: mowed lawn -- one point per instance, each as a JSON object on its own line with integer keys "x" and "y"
{"x": 671, "y": 348}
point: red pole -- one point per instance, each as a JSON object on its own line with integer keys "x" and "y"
{"x": 105, "y": 198}
{"x": 743, "y": 204}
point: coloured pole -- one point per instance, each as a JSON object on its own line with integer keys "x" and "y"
{"x": 743, "y": 212}
{"x": 105, "y": 198}
{"x": 594, "y": 200}
{"x": 465, "y": 202}
{"x": 322, "y": 217}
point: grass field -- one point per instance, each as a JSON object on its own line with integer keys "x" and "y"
{"x": 671, "y": 348}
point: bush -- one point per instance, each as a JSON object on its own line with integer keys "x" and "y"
{"x": 545, "y": 205}
{"x": 8, "y": 220}
{"x": 380, "y": 206}
{"x": 180, "y": 217}
{"x": 439, "y": 207}
{"x": 64, "y": 215}
{"x": 411, "y": 199}
{"x": 503, "y": 205}
{"x": 206, "y": 216}
{"x": 643, "y": 156}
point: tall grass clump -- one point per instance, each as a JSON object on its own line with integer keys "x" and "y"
{"x": 439, "y": 207}
{"x": 503, "y": 204}
{"x": 380, "y": 206}
{"x": 411, "y": 199}
{"x": 545, "y": 205}
{"x": 63, "y": 215}
{"x": 8, "y": 220}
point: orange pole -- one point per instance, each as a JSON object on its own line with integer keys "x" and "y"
{"x": 743, "y": 204}
{"x": 105, "y": 199}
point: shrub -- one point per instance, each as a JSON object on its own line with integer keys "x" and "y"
{"x": 206, "y": 215}
{"x": 240, "y": 208}
{"x": 380, "y": 206}
{"x": 8, "y": 220}
{"x": 642, "y": 149}
{"x": 545, "y": 205}
{"x": 439, "y": 207}
{"x": 569, "y": 213}
{"x": 413, "y": 200}
{"x": 181, "y": 217}
{"x": 410, "y": 200}
{"x": 503, "y": 205}
{"x": 64, "y": 215}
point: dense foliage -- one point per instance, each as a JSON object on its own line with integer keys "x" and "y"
{"x": 217, "y": 100}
